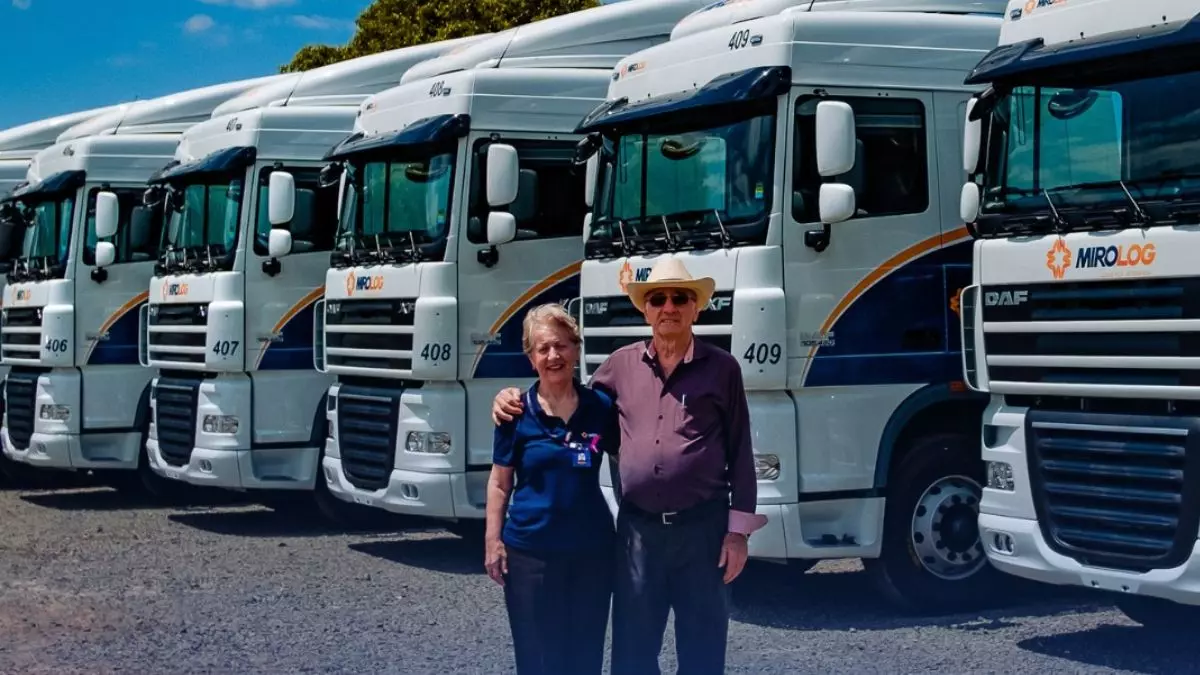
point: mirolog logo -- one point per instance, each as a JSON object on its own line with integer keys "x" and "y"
{"x": 355, "y": 282}
{"x": 1058, "y": 258}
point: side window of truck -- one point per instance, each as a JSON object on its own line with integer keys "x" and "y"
{"x": 139, "y": 228}
{"x": 891, "y": 173}
{"x": 550, "y": 202}
{"x": 314, "y": 225}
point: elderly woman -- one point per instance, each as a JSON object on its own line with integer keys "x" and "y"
{"x": 554, "y": 553}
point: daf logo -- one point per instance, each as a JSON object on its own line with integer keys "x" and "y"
{"x": 1005, "y": 298}
{"x": 718, "y": 304}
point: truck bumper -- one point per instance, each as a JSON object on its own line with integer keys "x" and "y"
{"x": 413, "y": 493}
{"x": 1031, "y": 558}
{"x": 69, "y": 451}
{"x": 259, "y": 469}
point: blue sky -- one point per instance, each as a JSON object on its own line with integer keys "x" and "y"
{"x": 66, "y": 55}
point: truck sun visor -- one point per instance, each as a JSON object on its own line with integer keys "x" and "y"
{"x": 63, "y": 181}
{"x": 218, "y": 163}
{"x": 1167, "y": 42}
{"x": 426, "y": 130}
{"x": 745, "y": 85}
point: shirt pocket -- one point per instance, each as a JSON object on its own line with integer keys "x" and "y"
{"x": 697, "y": 415}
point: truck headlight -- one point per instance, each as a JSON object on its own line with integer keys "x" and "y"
{"x": 766, "y": 467}
{"x": 55, "y": 412}
{"x": 1000, "y": 476}
{"x": 220, "y": 424}
{"x": 428, "y": 442}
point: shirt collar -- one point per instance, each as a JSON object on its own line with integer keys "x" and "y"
{"x": 535, "y": 406}
{"x": 695, "y": 351}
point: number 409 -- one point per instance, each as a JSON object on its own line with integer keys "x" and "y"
{"x": 762, "y": 352}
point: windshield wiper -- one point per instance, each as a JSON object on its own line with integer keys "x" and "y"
{"x": 1055, "y": 217}
{"x": 1142, "y": 218}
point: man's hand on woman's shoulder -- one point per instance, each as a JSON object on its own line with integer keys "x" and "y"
{"x": 506, "y": 405}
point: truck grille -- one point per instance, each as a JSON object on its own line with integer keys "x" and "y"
{"x": 1049, "y": 338}
{"x": 611, "y": 322}
{"x": 21, "y": 393}
{"x": 175, "y": 402}
{"x": 21, "y": 335}
{"x": 367, "y": 429}
{"x": 1116, "y": 491}
{"x": 177, "y": 334}
{"x": 368, "y": 337}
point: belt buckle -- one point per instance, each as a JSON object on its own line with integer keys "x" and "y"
{"x": 665, "y": 517}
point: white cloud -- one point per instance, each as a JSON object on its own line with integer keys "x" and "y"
{"x": 199, "y": 24}
{"x": 316, "y": 22}
{"x": 250, "y": 4}
{"x": 22, "y": 4}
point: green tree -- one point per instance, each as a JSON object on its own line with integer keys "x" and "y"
{"x": 392, "y": 24}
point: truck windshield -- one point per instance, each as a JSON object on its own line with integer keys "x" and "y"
{"x": 685, "y": 188}
{"x": 1103, "y": 156}
{"x": 47, "y": 237}
{"x": 202, "y": 232}
{"x": 397, "y": 210}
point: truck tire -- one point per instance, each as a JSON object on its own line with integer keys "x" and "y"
{"x": 932, "y": 560}
{"x": 1157, "y": 614}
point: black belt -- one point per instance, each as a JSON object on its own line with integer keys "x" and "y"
{"x": 690, "y": 514}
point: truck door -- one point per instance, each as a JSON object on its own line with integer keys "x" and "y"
{"x": 867, "y": 311}
{"x": 497, "y": 287}
{"x": 279, "y": 309}
{"x": 107, "y": 306}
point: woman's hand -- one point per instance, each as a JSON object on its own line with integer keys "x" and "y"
{"x": 495, "y": 559}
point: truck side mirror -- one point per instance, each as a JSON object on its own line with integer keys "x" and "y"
{"x": 106, "y": 254}
{"x": 503, "y": 173}
{"x": 836, "y": 139}
{"x": 279, "y": 243}
{"x": 836, "y": 203}
{"x": 501, "y": 227}
{"x": 972, "y": 139}
{"x": 281, "y": 198}
{"x": 587, "y": 226}
{"x": 107, "y": 214}
{"x": 589, "y": 179}
{"x": 968, "y": 202}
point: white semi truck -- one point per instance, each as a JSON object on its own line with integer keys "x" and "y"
{"x": 805, "y": 155}
{"x": 237, "y": 402}
{"x": 462, "y": 210}
{"x": 1081, "y": 320}
{"x": 75, "y": 394}
{"x": 18, "y": 145}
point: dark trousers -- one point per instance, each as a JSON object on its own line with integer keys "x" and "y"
{"x": 558, "y": 609}
{"x": 662, "y": 567}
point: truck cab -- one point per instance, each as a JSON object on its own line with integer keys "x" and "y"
{"x": 799, "y": 153}
{"x": 237, "y": 403}
{"x": 462, "y": 210}
{"x": 1082, "y": 197}
{"x": 75, "y": 393}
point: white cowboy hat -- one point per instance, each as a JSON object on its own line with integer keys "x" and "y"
{"x": 671, "y": 273}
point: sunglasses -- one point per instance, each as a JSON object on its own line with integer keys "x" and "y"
{"x": 678, "y": 299}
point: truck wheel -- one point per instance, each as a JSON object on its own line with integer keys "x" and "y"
{"x": 143, "y": 480}
{"x": 932, "y": 559}
{"x": 1157, "y": 614}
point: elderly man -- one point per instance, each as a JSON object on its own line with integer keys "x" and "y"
{"x": 686, "y": 474}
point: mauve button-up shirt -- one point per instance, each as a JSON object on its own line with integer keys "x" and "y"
{"x": 679, "y": 434}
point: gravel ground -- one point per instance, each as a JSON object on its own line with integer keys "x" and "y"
{"x": 94, "y": 582}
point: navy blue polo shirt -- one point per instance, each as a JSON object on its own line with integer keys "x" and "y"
{"x": 556, "y": 504}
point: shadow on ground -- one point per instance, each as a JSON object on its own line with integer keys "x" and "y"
{"x": 291, "y": 521}
{"x": 777, "y": 596}
{"x": 107, "y": 499}
{"x": 1132, "y": 648}
{"x": 449, "y": 553}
